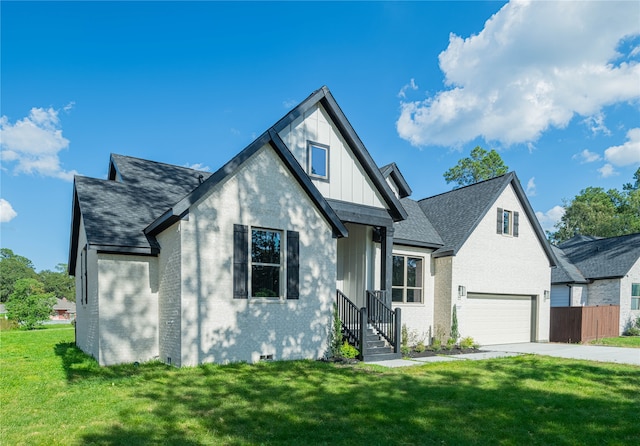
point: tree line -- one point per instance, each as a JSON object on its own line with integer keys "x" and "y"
{"x": 29, "y": 296}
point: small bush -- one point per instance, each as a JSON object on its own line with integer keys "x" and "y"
{"x": 436, "y": 345}
{"x": 405, "y": 350}
{"x": 419, "y": 348}
{"x": 348, "y": 351}
{"x": 632, "y": 331}
{"x": 450, "y": 344}
{"x": 467, "y": 342}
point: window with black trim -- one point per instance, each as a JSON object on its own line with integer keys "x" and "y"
{"x": 266, "y": 263}
{"x": 407, "y": 279}
{"x": 635, "y": 296}
{"x": 318, "y": 155}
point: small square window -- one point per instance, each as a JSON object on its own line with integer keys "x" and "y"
{"x": 318, "y": 160}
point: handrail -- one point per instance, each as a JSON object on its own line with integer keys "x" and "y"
{"x": 385, "y": 320}
{"x": 349, "y": 315}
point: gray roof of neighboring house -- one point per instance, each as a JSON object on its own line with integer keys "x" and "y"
{"x": 566, "y": 272}
{"x": 64, "y": 304}
{"x": 416, "y": 230}
{"x": 600, "y": 258}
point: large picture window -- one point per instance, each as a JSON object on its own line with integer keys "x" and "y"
{"x": 266, "y": 263}
{"x": 635, "y": 296}
{"x": 407, "y": 280}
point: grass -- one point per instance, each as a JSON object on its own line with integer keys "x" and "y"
{"x": 622, "y": 341}
{"x": 51, "y": 393}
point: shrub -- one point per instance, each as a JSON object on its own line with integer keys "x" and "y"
{"x": 436, "y": 344}
{"x": 455, "y": 334}
{"x": 335, "y": 341}
{"x": 419, "y": 348}
{"x": 632, "y": 331}
{"x": 450, "y": 344}
{"x": 404, "y": 342}
{"x": 348, "y": 351}
{"x": 467, "y": 342}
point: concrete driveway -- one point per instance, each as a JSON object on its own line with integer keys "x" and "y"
{"x": 600, "y": 353}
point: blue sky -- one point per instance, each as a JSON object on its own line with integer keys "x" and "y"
{"x": 553, "y": 86}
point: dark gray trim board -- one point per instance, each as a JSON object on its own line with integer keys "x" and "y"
{"x": 405, "y": 242}
{"x": 361, "y": 214}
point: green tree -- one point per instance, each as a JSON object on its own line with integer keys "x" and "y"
{"x": 12, "y": 268}
{"x": 28, "y": 304}
{"x": 601, "y": 213}
{"x": 480, "y": 166}
{"x": 59, "y": 282}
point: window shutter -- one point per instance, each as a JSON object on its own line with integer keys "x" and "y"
{"x": 516, "y": 222}
{"x": 499, "y": 226}
{"x": 293, "y": 265}
{"x": 240, "y": 261}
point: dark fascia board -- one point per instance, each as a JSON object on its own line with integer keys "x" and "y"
{"x": 324, "y": 96}
{"x": 361, "y": 214}
{"x": 127, "y": 250}
{"x": 74, "y": 233}
{"x": 406, "y": 242}
{"x": 447, "y": 253}
{"x": 542, "y": 238}
{"x": 181, "y": 209}
{"x": 393, "y": 170}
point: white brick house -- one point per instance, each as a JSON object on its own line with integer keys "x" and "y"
{"x": 245, "y": 264}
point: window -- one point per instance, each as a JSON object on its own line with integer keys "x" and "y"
{"x": 407, "y": 279}
{"x": 318, "y": 160}
{"x": 508, "y": 222}
{"x": 265, "y": 263}
{"x": 635, "y": 296}
{"x": 262, "y": 263}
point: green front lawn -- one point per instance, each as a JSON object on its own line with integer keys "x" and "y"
{"x": 622, "y": 341}
{"x": 53, "y": 394}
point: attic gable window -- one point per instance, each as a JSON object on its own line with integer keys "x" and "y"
{"x": 318, "y": 155}
{"x": 508, "y": 222}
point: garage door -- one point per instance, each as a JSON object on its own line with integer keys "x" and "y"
{"x": 498, "y": 318}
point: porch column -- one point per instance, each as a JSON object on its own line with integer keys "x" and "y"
{"x": 386, "y": 264}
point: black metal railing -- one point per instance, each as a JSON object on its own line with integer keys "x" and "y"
{"x": 383, "y": 319}
{"x": 351, "y": 320}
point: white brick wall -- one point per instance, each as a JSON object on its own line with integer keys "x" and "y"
{"x": 87, "y": 323}
{"x": 128, "y": 290}
{"x": 627, "y": 315}
{"x": 493, "y": 263}
{"x": 218, "y": 328}
{"x": 169, "y": 295}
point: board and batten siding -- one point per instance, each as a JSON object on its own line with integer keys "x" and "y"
{"x": 347, "y": 179}
{"x": 493, "y": 263}
{"x": 215, "y": 327}
{"x": 128, "y": 290}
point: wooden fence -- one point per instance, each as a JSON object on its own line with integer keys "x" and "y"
{"x": 584, "y": 324}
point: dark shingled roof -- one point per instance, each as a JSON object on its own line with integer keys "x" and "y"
{"x": 416, "y": 230}
{"x": 600, "y": 258}
{"x": 566, "y": 272}
{"x": 456, "y": 214}
{"x": 115, "y": 212}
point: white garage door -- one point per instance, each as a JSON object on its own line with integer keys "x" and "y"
{"x": 497, "y": 319}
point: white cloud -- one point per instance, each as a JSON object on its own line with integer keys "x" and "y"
{"x": 531, "y": 187}
{"x": 607, "y": 171}
{"x": 6, "y": 211}
{"x": 587, "y": 157}
{"x": 33, "y": 144}
{"x": 627, "y": 153}
{"x": 535, "y": 65}
{"x": 411, "y": 85}
{"x": 198, "y": 166}
{"x": 550, "y": 218}
{"x": 596, "y": 124}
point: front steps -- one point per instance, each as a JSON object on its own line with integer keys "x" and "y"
{"x": 376, "y": 348}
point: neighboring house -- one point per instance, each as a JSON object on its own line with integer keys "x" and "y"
{"x": 64, "y": 310}
{"x": 244, "y": 264}
{"x": 599, "y": 271}
{"x": 3, "y": 311}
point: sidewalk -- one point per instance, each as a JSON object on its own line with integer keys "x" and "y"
{"x": 600, "y": 353}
